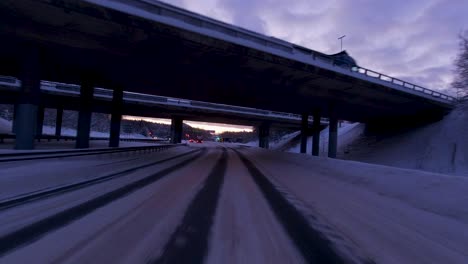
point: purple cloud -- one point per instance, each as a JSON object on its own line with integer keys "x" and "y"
{"x": 412, "y": 40}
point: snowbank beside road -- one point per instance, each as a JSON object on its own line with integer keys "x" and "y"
{"x": 439, "y": 147}
{"x": 438, "y": 193}
{"x": 388, "y": 214}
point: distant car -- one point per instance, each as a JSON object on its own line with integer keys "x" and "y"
{"x": 199, "y": 140}
{"x": 191, "y": 140}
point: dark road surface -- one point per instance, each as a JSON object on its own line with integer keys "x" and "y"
{"x": 198, "y": 204}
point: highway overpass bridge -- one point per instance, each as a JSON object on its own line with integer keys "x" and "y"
{"x": 154, "y": 48}
{"x": 66, "y": 97}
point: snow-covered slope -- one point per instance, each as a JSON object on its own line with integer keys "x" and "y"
{"x": 439, "y": 147}
{"x": 5, "y": 126}
{"x": 347, "y": 133}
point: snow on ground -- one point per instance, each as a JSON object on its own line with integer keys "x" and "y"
{"x": 275, "y": 144}
{"x": 347, "y": 132}
{"x": 439, "y": 147}
{"x": 389, "y": 214}
{"x": 5, "y": 126}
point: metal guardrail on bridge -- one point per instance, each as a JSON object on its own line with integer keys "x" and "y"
{"x": 194, "y": 21}
{"x": 74, "y": 90}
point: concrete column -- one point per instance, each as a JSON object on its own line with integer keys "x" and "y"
{"x": 316, "y": 134}
{"x": 116, "y": 119}
{"x": 58, "y": 122}
{"x": 264, "y": 135}
{"x": 176, "y": 130}
{"x": 333, "y": 134}
{"x": 40, "y": 120}
{"x": 85, "y": 113}
{"x": 26, "y": 107}
{"x": 304, "y": 129}
{"x": 15, "y": 115}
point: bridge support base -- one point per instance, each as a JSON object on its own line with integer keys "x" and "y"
{"x": 116, "y": 118}
{"x": 25, "y": 127}
{"x": 58, "y": 122}
{"x": 304, "y": 129}
{"x": 15, "y": 118}
{"x": 176, "y": 130}
{"x": 264, "y": 136}
{"x": 333, "y": 136}
{"x": 40, "y": 121}
{"x": 316, "y": 134}
{"x": 85, "y": 113}
{"x": 26, "y": 108}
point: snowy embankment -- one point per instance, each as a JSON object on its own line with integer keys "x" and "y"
{"x": 278, "y": 144}
{"x": 5, "y": 127}
{"x": 439, "y": 147}
{"x": 347, "y": 132}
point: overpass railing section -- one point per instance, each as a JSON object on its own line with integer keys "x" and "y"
{"x": 106, "y": 94}
{"x": 195, "y": 20}
{"x": 402, "y": 83}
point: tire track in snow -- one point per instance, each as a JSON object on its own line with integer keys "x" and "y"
{"x": 189, "y": 243}
{"x": 314, "y": 247}
{"x": 35, "y": 231}
{"x": 50, "y": 192}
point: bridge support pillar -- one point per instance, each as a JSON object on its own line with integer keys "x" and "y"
{"x": 40, "y": 120}
{"x": 333, "y": 134}
{"x": 58, "y": 122}
{"x": 15, "y": 118}
{"x": 116, "y": 118}
{"x": 176, "y": 130}
{"x": 316, "y": 134}
{"x": 85, "y": 113}
{"x": 304, "y": 129}
{"x": 264, "y": 136}
{"x": 26, "y": 108}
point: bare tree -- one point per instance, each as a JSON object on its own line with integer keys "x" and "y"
{"x": 460, "y": 82}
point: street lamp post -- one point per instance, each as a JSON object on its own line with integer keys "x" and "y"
{"x": 341, "y": 39}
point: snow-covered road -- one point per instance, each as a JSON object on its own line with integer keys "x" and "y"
{"x": 217, "y": 204}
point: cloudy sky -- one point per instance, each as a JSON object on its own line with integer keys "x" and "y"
{"x": 416, "y": 40}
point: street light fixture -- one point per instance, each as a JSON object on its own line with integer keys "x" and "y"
{"x": 341, "y": 38}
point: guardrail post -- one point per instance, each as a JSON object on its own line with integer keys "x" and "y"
{"x": 316, "y": 133}
{"x": 304, "y": 129}
{"x": 26, "y": 112}
{"x": 85, "y": 112}
{"x": 116, "y": 118}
